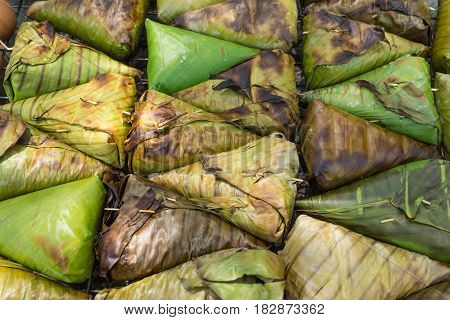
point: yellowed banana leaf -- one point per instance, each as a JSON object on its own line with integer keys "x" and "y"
{"x": 440, "y": 291}
{"x": 92, "y": 117}
{"x": 167, "y": 133}
{"x": 328, "y": 262}
{"x": 339, "y": 148}
{"x": 156, "y": 230}
{"x": 234, "y": 274}
{"x": 11, "y": 129}
{"x": 441, "y": 45}
{"x": 442, "y": 97}
{"x": 336, "y": 49}
{"x": 253, "y": 186}
{"x": 258, "y": 95}
{"x": 19, "y": 283}
{"x": 45, "y": 61}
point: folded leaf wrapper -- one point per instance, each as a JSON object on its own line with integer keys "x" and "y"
{"x": 259, "y": 95}
{"x": 408, "y": 19}
{"x": 408, "y": 206}
{"x": 92, "y": 117}
{"x": 441, "y": 45}
{"x": 440, "y": 291}
{"x": 396, "y": 96}
{"x": 11, "y": 129}
{"x": 168, "y": 10}
{"x": 442, "y": 84}
{"x": 179, "y": 59}
{"x": 234, "y": 274}
{"x": 253, "y": 187}
{"x": 156, "y": 230}
{"x": 113, "y": 27}
{"x": 19, "y": 283}
{"x": 45, "y": 61}
{"x": 329, "y": 262}
{"x": 264, "y": 24}
{"x": 336, "y": 49}
{"x": 339, "y": 148}
{"x": 52, "y": 231}
{"x": 167, "y": 133}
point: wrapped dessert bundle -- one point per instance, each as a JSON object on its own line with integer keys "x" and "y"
{"x": 52, "y": 231}
{"x": 92, "y": 117}
{"x": 156, "y": 230}
{"x": 167, "y": 133}
{"x": 264, "y": 24}
{"x": 234, "y": 274}
{"x": 336, "y": 49}
{"x": 406, "y": 206}
{"x": 325, "y": 261}
{"x": 252, "y": 187}
{"x": 113, "y": 27}
{"x": 442, "y": 95}
{"x": 44, "y": 61}
{"x": 339, "y": 148}
{"x": 397, "y": 96}
{"x": 441, "y": 45}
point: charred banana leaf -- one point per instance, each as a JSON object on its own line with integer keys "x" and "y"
{"x": 258, "y": 95}
{"x": 396, "y": 96}
{"x": 336, "y": 49}
{"x": 442, "y": 84}
{"x": 441, "y": 44}
{"x": 113, "y": 27}
{"x": 252, "y": 187}
{"x": 408, "y": 19}
{"x": 408, "y": 206}
{"x": 329, "y": 262}
{"x": 92, "y": 117}
{"x": 440, "y": 291}
{"x": 45, "y": 61}
{"x": 339, "y": 148}
{"x": 167, "y": 133}
{"x": 52, "y": 231}
{"x": 19, "y": 283}
{"x": 157, "y": 230}
{"x": 179, "y": 59}
{"x": 234, "y": 274}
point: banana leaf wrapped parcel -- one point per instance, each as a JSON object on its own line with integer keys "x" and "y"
{"x": 396, "y": 96}
{"x": 11, "y": 129}
{"x": 264, "y": 24}
{"x": 258, "y": 95}
{"x": 408, "y": 19}
{"x": 92, "y": 117}
{"x": 179, "y": 59}
{"x": 234, "y": 274}
{"x": 167, "y": 133}
{"x": 328, "y": 262}
{"x": 156, "y": 230}
{"x": 52, "y": 231}
{"x": 339, "y": 148}
{"x": 336, "y": 49}
{"x": 44, "y": 61}
{"x": 113, "y": 27}
{"x": 407, "y": 206}
{"x": 441, "y": 46}
{"x": 442, "y": 84}
{"x": 252, "y": 187}
{"x": 440, "y": 291}
{"x": 19, "y": 283}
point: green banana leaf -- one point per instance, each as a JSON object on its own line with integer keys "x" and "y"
{"x": 440, "y": 291}
{"x": 396, "y": 96}
{"x": 44, "y": 61}
{"x": 264, "y": 24}
{"x": 168, "y": 10}
{"x": 252, "y": 187}
{"x": 234, "y": 274}
{"x": 11, "y": 129}
{"x": 92, "y": 117}
{"x": 52, "y": 231}
{"x": 440, "y": 55}
{"x": 408, "y": 206}
{"x": 19, "y": 283}
{"x": 328, "y": 262}
{"x": 339, "y": 148}
{"x": 336, "y": 49}
{"x": 113, "y": 27}
{"x": 259, "y": 95}
{"x": 179, "y": 59}
{"x": 408, "y": 19}
{"x": 162, "y": 230}
{"x": 442, "y": 84}
{"x": 167, "y": 133}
